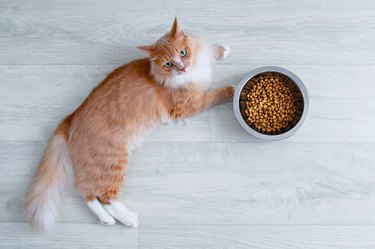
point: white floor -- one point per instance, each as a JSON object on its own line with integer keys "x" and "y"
{"x": 204, "y": 183}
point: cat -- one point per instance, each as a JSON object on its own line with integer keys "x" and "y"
{"x": 93, "y": 143}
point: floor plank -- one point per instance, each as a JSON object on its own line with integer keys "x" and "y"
{"x": 31, "y": 111}
{"x": 257, "y": 237}
{"x": 341, "y": 110}
{"x": 204, "y": 182}
{"x": 263, "y": 32}
{"x": 341, "y": 105}
{"x": 220, "y": 183}
{"x": 74, "y": 236}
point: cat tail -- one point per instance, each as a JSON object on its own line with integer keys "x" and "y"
{"x": 45, "y": 193}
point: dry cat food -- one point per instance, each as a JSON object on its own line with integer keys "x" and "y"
{"x": 270, "y": 104}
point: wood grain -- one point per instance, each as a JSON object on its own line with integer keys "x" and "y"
{"x": 257, "y": 237}
{"x": 75, "y": 236}
{"x": 341, "y": 105}
{"x": 260, "y": 32}
{"x": 221, "y": 183}
{"x": 33, "y": 100}
{"x": 202, "y": 183}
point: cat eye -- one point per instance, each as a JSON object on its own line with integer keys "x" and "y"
{"x": 168, "y": 64}
{"x": 183, "y": 53}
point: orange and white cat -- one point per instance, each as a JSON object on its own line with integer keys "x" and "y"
{"x": 95, "y": 140}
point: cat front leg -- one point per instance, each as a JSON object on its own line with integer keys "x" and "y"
{"x": 221, "y": 51}
{"x": 194, "y": 103}
{"x": 220, "y": 95}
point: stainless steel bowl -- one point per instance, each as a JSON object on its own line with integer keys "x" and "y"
{"x": 294, "y": 79}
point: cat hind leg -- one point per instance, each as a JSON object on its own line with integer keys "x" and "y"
{"x": 97, "y": 208}
{"x": 121, "y": 213}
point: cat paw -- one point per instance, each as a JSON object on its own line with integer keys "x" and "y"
{"x": 222, "y": 51}
{"x": 231, "y": 89}
{"x": 229, "y": 92}
{"x": 121, "y": 213}
{"x": 107, "y": 221}
{"x": 129, "y": 219}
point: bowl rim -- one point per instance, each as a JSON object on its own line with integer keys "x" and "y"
{"x": 295, "y": 79}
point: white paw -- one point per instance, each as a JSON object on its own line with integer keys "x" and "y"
{"x": 129, "y": 219}
{"x": 122, "y": 214}
{"x": 107, "y": 221}
{"x": 104, "y": 217}
{"x": 225, "y": 50}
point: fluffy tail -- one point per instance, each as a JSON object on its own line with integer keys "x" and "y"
{"x": 46, "y": 190}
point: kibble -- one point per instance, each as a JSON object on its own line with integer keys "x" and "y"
{"x": 270, "y": 105}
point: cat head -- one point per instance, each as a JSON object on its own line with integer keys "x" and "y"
{"x": 172, "y": 56}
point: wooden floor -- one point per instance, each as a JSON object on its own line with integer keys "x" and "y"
{"x": 203, "y": 183}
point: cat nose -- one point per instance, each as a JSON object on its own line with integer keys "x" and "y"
{"x": 182, "y": 69}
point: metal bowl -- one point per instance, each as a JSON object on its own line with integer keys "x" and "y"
{"x": 297, "y": 83}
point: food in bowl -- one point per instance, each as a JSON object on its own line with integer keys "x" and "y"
{"x": 270, "y": 103}
{"x": 257, "y": 100}
{"x": 300, "y": 100}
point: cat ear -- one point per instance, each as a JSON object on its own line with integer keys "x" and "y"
{"x": 176, "y": 31}
{"x": 147, "y": 49}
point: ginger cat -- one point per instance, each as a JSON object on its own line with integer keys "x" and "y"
{"x": 95, "y": 140}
